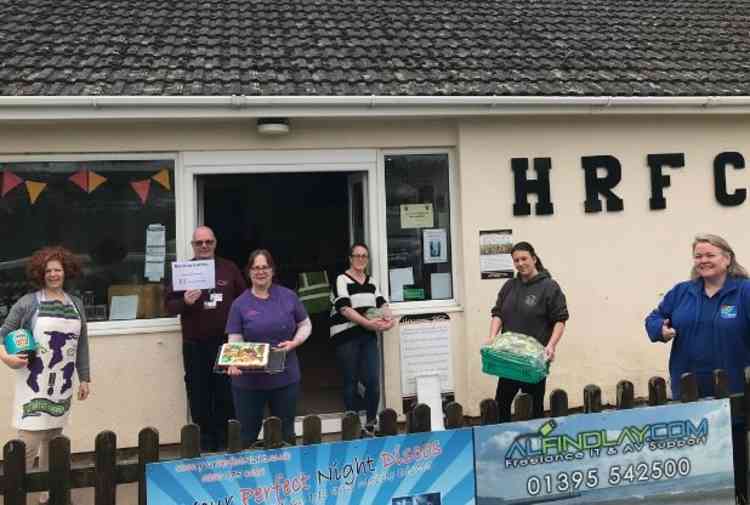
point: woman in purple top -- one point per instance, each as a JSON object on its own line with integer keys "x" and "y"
{"x": 267, "y": 312}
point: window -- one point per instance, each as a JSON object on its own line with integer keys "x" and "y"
{"x": 418, "y": 224}
{"x": 102, "y": 210}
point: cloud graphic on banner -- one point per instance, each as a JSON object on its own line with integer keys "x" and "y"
{"x": 142, "y": 188}
{"x": 35, "y": 189}
{"x": 10, "y": 181}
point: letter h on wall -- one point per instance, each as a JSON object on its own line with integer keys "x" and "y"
{"x": 524, "y": 186}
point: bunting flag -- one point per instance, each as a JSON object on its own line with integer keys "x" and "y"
{"x": 10, "y": 181}
{"x": 87, "y": 180}
{"x": 95, "y": 180}
{"x": 142, "y": 188}
{"x": 35, "y": 189}
{"x": 163, "y": 178}
{"x": 80, "y": 179}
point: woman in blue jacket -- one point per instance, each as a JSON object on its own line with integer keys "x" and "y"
{"x": 707, "y": 318}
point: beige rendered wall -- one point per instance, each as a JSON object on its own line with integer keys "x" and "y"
{"x": 137, "y": 378}
{"x": 613, "y": 267}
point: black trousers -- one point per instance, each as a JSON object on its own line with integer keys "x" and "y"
{"x": 208, "y": 393}
{"x": 507, "y": 390}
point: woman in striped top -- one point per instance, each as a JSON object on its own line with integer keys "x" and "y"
{"x": 354, "y": 324}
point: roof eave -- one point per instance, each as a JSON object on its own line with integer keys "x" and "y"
{"x": 223, "y": 107}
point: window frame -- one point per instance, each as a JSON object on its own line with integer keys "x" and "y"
{"x": 100, "y": 328}
{"x": 423, "y": 306}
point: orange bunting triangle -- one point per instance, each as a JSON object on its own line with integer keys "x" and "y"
{"x": 142, "y": 188}
{"x": 10, "y": 181}
{"x": 163, "y": 178}
{"x": 80, "y": 179}
{"x": 35, "y": 189}
{"x": 95, "y": 180}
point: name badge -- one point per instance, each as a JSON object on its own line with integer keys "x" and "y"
{"x": 217, "y": 297}
{"x": 209, "y": 304}
{"x": 728, "y": 311}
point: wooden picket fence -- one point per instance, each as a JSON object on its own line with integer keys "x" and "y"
{"x": 107, "y": 473}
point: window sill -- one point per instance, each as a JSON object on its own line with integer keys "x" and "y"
{"x": 139, "y": 326}
{"x": 417, "y": 308}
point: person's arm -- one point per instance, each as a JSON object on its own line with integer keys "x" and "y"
{"x": 304, "y": 329}
{"x": 496, "y": 326}
{"x": 13, "y": 322}
{"x": 83, "y": 366}
{"x": 551, "y": 347}
{"x": 658, "y": 322}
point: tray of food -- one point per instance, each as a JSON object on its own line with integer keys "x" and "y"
{"x": 244, "y": 355}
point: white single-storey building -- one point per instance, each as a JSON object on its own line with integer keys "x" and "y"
{"x": 606, "y": 133}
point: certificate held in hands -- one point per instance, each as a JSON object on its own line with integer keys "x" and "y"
{"x": 198, "y": 274}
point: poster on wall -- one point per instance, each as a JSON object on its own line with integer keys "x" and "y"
{"x": 425, "y": 343}
{"x": 670, "y": 454}
{"x": 435, "y": 245}
{"x": 494, "y": 254}
{"x": 417, "y": 215}
{"x": 420, "y": 469}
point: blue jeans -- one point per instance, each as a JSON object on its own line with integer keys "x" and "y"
{"x": 360, "y": 362}
{"x": 249, "y": 405}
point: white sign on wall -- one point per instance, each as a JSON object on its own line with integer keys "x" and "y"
{"x": 425, "y": 349}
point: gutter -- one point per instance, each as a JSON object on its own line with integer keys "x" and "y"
{"x": 223, "y": 107}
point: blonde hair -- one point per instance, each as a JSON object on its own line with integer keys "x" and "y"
{"x": 734, "y": 269}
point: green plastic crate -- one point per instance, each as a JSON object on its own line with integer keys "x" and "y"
{"x": 512, "y": 366}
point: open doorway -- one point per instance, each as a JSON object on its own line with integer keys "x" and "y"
{"x": 307, "y": 221}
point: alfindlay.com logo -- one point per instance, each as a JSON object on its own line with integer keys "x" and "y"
{"x": 543, "y": 446}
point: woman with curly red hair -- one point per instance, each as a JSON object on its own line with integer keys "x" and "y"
{"x": 44, "y": 379}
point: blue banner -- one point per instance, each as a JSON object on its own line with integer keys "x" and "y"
{"x": 421, "y": 469}
{"x": 670, "y": 454}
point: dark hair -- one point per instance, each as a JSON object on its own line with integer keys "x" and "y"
{"x": 255, "y": 254}
{"x": 358, "y": 244}
{"x": 37, "y": 264}
{"x": 525, "y": 246}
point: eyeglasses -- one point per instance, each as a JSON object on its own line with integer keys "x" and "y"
{"x": 203, "y": 242}
{"x": 361, "y": 256}
{"x": 260, "y": 269}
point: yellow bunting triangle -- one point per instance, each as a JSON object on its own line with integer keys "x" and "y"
{"x": 95, "y": 180}
{"x": 163, "y": 178}
{"x": 35, "y": 189}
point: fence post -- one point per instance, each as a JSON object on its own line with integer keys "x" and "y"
{"x": 190, "y": 441}
{"x": 688, "y": 387}
{"x": 351, "y": 426}
{"x": 234, "y": 436}
{"x": 524, "y": 407}
{"x": 105, "y": 462}
{"x": 558, "y": 403}
{"x": 592, "y": 399}
{"x": 721, "y": 384}
{"x": 148, "y": 452}
{"x": 625, "y": 395}
{"x": 489, "y": 413}
{"x": 421, "y": 422}
{"x": 273, "y": 436}
{"x": 454, "y": 416}
{"x": 312, "y": 430}
{"x": 388, "y": 423}
{"x": 14, "y": 468}
{"x": 59, "y": 471}
{"x": 657, "y": 391}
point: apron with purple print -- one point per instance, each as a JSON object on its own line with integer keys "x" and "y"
{"x": 44, "y": 388}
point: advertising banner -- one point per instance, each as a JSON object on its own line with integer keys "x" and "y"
{"x": 420, "y": 469}
{"x": 669, "y": 454}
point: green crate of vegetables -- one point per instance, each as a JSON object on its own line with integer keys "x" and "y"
{"x": 515, "y": 356}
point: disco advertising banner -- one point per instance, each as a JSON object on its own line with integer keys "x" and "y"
{"x": 678, "y": 453}
{"x": 421, "y": 469}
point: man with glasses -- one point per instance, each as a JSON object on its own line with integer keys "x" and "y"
{"x": 203, "y": 317}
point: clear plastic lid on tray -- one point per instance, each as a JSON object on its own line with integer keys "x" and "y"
{"x": 275, "y": 362}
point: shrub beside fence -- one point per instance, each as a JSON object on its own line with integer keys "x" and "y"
{"x": 107, "y": 473}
